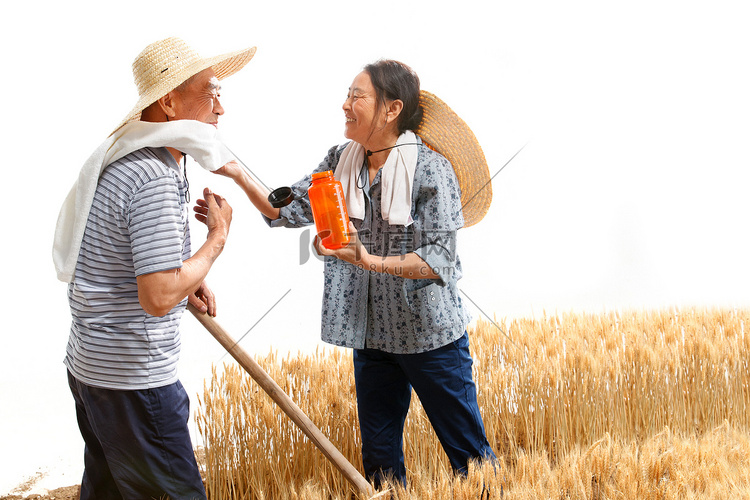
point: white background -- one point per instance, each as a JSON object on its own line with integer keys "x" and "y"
{"x": 630, "y": 193}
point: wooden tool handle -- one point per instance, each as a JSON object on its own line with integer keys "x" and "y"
{"x": 284, "y": 401}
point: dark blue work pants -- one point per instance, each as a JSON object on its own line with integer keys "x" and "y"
{"x": 443, "y": 382}
{"x": 137, "y": 443}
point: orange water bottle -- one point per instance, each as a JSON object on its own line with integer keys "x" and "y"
{"x": 329, "y": 210}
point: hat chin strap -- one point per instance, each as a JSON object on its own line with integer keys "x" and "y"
{"x": 184, "y": 169}
{"x": 184, "y": 164}
{"x": 370, "y": 153}
{"x": 184, "y": 176}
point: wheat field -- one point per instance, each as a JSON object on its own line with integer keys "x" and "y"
{"x": 610, "y": 406}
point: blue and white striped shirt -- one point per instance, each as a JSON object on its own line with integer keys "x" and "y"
{"x": 138, "y": 224}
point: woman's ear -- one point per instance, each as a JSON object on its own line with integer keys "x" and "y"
{"x": 394, "y": 109}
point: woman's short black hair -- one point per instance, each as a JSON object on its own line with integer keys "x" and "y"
{"x": 395, "y": 80}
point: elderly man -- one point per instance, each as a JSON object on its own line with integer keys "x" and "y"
{"x": 123, "y": 245}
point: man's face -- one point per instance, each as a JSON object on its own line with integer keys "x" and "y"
{"x": 200, "y": 100}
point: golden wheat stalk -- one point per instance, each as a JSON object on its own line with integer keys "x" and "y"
{"x": 615, "y": 405}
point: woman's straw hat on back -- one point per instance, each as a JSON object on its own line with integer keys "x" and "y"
{"x": 164, "y": 65}
{"x": 442, "y": 130}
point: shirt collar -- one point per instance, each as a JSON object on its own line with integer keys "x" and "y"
{"x": 165, "y": 156}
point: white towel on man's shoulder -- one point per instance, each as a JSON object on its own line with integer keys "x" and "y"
{"x": 396, "y": 178}
{"x": 194, "y": 138}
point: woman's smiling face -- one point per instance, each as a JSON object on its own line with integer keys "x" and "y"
{"x": 360, "y": 109}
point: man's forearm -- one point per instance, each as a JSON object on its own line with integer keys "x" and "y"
{"x": 160, "y": 292}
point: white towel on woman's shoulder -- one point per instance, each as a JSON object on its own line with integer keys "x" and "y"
{"x": 396, "y": 178}
{"x": 199, "y": 140}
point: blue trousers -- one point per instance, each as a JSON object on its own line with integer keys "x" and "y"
{"x": 442, "y": 380}
{"x": 137, "y": 443}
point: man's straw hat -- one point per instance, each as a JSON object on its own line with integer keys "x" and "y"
{"x": 164, "y": 65}
{"x": 442, "y": 130}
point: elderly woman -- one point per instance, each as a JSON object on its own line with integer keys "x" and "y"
{"x": 391, "y": 295}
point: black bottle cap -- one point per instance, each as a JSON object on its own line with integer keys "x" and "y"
{"x": 281, "y": 197}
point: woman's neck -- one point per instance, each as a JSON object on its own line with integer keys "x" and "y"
{"x": 378, "y": 151}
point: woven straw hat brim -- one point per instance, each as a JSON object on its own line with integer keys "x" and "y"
{"x": 445, "y": 132}
{"x": 224, "y": 65}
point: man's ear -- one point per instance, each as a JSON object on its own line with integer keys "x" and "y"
{"x": 168, "y": 103}
{"x": 394, "y": 109}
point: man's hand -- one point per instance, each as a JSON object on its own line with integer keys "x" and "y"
{"x": 204, "y": 300}
{"x": 215, "y": 213}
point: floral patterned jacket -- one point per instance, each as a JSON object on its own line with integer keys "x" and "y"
{"x": 381, "y": 311}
